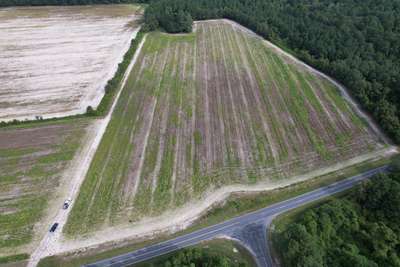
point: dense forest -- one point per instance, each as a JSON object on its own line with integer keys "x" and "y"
{"x": 360, "y": 230}
{"x": 355, "y": 41}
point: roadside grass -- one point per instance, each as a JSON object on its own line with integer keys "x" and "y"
{"x": 215, "y": 247}
{"x": 241, "y": 203}
{"x": 13, "y": 258}
{"x": 236, "y": 205}
{"x": 45, "y": 122}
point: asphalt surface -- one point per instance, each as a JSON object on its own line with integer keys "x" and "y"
{"x": 249, "y": 229}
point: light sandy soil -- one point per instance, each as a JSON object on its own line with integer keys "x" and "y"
{"x": 76, "y": 174}
{"x": 56, "y": 61}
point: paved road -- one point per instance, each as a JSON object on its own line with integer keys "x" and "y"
{"x": 249, "y": 229}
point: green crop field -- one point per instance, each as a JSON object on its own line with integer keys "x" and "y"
{"x": 32, "y": 160}
{"x": 213, "y": 108}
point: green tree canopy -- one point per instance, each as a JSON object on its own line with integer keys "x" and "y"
{"x": 361, "y": 230}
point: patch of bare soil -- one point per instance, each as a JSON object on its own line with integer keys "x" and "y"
{"x": 56, "y": 60}
{"x": 32, "y": 137}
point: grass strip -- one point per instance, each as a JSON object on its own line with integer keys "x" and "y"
{"x": 14, "y": 258}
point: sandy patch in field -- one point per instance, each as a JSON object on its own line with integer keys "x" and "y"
{"x": 55, "y": 61}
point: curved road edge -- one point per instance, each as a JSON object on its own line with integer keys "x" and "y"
{"x": 241, "y": 227}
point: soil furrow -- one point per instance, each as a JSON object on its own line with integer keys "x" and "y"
{"x": 238, "y": 131}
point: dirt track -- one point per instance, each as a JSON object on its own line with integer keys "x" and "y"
{"x": 76, "y": 174}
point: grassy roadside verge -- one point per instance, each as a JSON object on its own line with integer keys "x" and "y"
{"x": 216, "y": 247}
{"x": 236, "y": 205}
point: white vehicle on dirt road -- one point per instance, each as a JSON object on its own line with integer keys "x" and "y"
{"x": 67, "y": 203}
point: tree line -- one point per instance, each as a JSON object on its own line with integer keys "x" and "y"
{"x": 361, "y": 230}
{"x": 355, "y": 41}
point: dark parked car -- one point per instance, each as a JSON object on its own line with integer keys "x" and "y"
{"x": 53, "y": 227}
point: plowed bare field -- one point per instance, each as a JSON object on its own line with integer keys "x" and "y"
{"x": 55, "y": 61}
{"x": 213, "y": 108}
{"x": 32, "y": 161}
